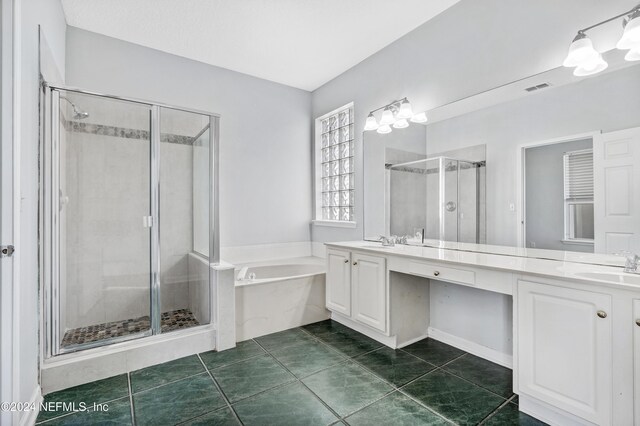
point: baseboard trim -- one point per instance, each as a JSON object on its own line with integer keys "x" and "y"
{"x": 412, "y": 341}
{"x": 548, "y": 414}
{"x": 471, "y": 347}
{"x": 375, "y": 335}
{"x": 29, "y": 417}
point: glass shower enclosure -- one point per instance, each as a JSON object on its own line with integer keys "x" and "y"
{"x": 129, "y": 220}
{"x": 442, "y": 196}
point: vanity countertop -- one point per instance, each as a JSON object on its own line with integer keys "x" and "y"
{"x": 598, "y": 274}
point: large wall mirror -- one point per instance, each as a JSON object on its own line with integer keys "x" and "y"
{"x": 548, "y": 166}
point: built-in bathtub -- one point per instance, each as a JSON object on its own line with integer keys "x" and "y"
{"x": 285, "y": 293}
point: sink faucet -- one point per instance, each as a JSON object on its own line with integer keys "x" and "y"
{"x": 631, "y": 265}
{"x": 388, "y": 241}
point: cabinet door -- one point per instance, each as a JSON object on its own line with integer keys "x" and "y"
{"x": 636, "y": 360}
{"x": 369, "y": 290}
{"x": 338, "y": 281}
{"x": 564, "y": 349}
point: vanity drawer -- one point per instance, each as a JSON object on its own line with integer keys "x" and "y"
{"x": 438, "y": 272}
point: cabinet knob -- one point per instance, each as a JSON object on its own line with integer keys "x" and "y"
{"x": 602, "y": 314}
{"x": 436, "y": 273}
{"x": 355, "y": 263}
{"x": 346, "y": 261}
{"x": 638, "y": 322}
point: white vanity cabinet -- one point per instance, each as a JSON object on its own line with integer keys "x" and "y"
{"x": 338, "y": 292}
{"x": 369, "y": 290}
{"x": 565, "y": 348}
{"x": 356, "y": 287}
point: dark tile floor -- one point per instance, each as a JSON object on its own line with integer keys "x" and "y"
{"x": 320, "y": 374}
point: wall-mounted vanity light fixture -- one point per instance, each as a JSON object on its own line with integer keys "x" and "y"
{"x": 397, "y": 114}
{"x": 588, "y": 61}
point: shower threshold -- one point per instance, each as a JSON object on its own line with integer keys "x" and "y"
{"x": 170, "y": 321}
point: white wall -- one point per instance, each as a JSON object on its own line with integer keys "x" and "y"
{"x": 471, "y": 47}
{"x": 48, "y": 14}
{"x": 265, "y": 155}
{"x": 445, "y": 60}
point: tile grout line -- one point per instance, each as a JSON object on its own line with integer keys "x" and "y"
{"x": 358, "y": 364}
{"x": 133, "y": 416}
{"x": 493, "y": 413}
{"x": 299, "y": 380}
{"x": 395, "y": 388}
{"x": 224, "y": 396}
{"x": 168, "y": 383}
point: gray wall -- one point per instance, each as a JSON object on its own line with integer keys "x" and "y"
{"x": 49, "y": 16}
{"x": 442, "y": 61}
{"x": 265, "y": 156}
{"x": 544, "y": 195}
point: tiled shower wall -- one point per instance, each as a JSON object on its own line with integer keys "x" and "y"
{"x": 106, "y": 173}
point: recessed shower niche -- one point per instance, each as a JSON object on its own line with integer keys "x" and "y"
{"x": 128, "y": 193}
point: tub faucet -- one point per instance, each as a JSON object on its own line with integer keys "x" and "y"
{"x": 631, "y": 265}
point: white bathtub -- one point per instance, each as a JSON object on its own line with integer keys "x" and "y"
{"x": 285, "y": 293}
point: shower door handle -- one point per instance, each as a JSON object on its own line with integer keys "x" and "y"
{"x": 147, "y": 221}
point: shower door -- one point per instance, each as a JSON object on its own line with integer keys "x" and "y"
{"x": 129, "y": 219}
{"x": 101, "y": 190}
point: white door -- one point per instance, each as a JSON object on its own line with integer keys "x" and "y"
{"x": 338, "y": 281}
{"x": 564, "y": 349}
{"x": 636, "y": 360}
{"x": 369, "y": 290}
{"x": 616, "y": 185}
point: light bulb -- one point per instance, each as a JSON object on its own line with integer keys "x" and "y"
{"x": 420, "y": 117}
{"x": 580, "y": 51}
{"x": 371, "y": 123}
{"x": 387, "y": 117}
{"x": 591, "y": 67}
{"x": 633, "y": 55}
{"x": 401, "y": 124}
{"x": 405, "y": 110}
{"x": 631, "y": 36}
{"x": 384, "y": 129}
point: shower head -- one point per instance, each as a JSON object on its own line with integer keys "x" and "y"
{"x": 78, "y": 114}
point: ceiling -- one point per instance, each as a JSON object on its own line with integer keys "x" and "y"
{"x": 299, "y": 43}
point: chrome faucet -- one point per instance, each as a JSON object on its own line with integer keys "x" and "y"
{"x": 388, "y": 241}
{"x": 631, "y": 265}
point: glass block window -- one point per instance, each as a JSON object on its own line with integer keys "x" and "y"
{"x": 335, "y": 131}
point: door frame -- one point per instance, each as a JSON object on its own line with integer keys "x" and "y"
{"x": 10, "y": 205}
{"x": 521, "y": 182}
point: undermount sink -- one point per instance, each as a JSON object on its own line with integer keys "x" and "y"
{"x": 609, "y": 276}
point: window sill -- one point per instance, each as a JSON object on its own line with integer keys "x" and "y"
{"x": 334, "y": 223}
{"x": 578, "y": 242}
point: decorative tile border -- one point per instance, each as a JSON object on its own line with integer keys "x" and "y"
{"x": 123, "y": 132}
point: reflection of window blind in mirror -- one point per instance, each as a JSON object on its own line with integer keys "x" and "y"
{"x": 578, "y": 175}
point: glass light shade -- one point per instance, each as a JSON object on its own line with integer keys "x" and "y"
{"x": 580, "y": 51}
{"x": 591, "y": 67}
{"x": 633, "y": 55}
{"x": 401, "y": 124}
{"x": 405, "y": 110}
{"x": 371, "y": 123}
{"x": 387, "y": 117}
{"x": 384, "y": 129}
{"x": 420, "y": 117}
{"x": 631, "y": 36}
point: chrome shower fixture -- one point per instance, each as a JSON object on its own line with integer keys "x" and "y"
{"x": 78, "y": 114}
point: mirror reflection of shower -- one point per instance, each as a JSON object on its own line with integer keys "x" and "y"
{"x": 78, "y": 113}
